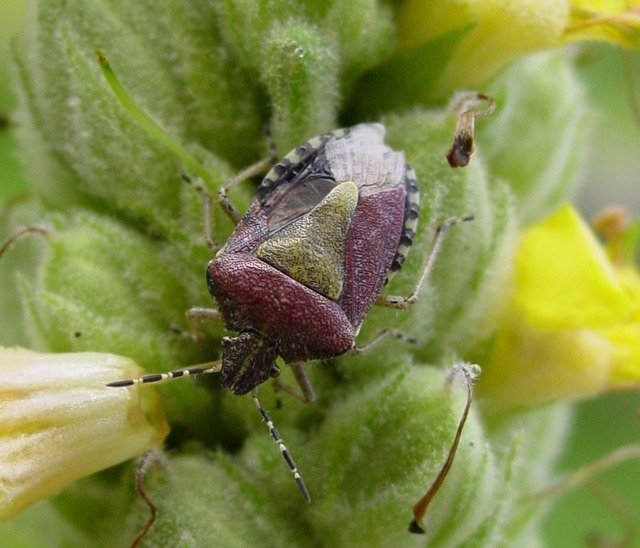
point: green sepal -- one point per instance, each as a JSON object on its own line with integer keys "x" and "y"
{"x": 538, "y": 135}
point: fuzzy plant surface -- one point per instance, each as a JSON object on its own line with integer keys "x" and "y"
{"x": 120, "y": 254}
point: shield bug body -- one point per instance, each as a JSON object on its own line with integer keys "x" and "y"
{"x": 329, "y": 225}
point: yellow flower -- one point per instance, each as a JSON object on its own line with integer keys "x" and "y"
{"x": 572, "y": 325}
{"x": 500, "y": 30}
{"x": 59, "y": 422}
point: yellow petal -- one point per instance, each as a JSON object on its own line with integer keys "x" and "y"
{"x": 629, "y": 279}
{"x": 528, "y": 367}
{"x": 59, "y": 422}
{"x": 501, "y": 21}
{"x": 564, "y": 279}
{"x": 572, "y": 328}
{"x": 626, "y": 337}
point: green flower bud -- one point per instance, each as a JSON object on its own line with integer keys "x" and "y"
{"x": 300, "y": 74}
{"x": 364, "y": 34}
{"x": 358, "y": 42}
{"x": 380, "y": 449}
{"x": 303, "y": 58}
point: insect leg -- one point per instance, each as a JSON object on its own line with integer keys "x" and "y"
{"x": 394, "y": 301}
{"x": 203, "y": 369}
{"x": 275, "y": 435}
{"x": 381, "y": 336}
{"x": 308, "y": 394}
{"x": 248, "y": 172}
{"x": 206, "y": 211}
{"x": 194, "y": 316}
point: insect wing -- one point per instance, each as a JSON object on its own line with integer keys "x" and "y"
{"x": 384, "y": 222}
{"x": 371, "y": 245}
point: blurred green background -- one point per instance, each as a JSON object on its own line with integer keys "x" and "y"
{"x": 609, "y": 510}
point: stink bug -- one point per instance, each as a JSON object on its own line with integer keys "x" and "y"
{"x": 327, "y": 228}
{"x": 329, "y": 225}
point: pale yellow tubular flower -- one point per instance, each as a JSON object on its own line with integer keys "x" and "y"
{"x": 59, "y": 422}
{"x": 500, "y": 30}
{"x": 572, "y": 327}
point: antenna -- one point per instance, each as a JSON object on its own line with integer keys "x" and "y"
{"x": 202, "y": 369}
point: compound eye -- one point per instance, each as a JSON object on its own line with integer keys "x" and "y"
{"x": 274, "y": 371}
